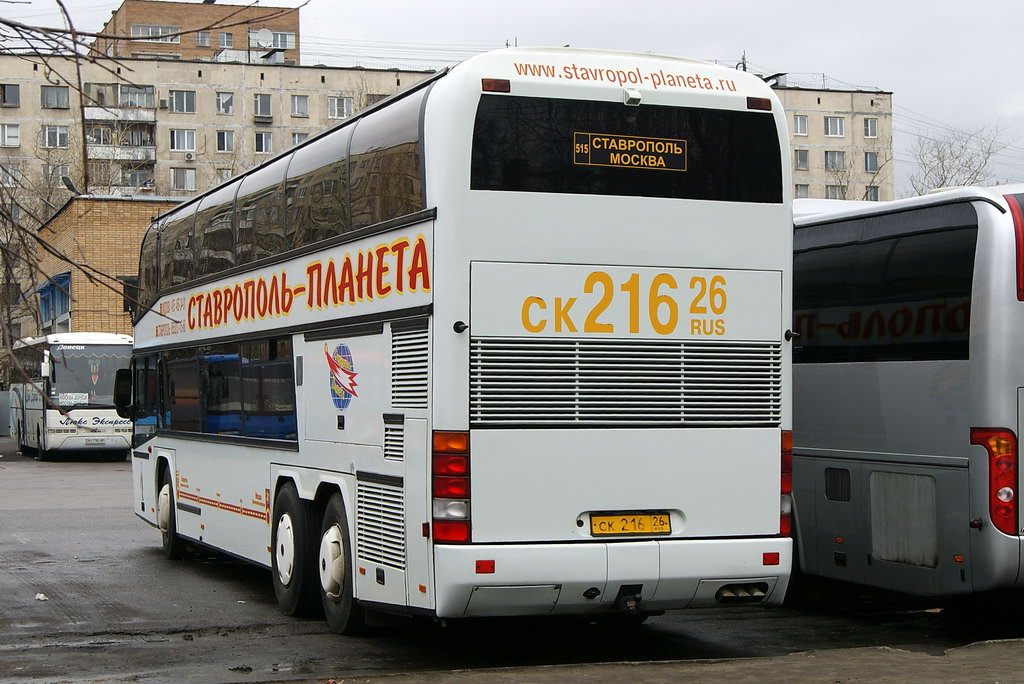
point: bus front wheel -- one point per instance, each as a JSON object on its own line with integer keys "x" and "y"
{"x": 344, "y": 615}
{"x": 292, "y": 564}
{"x": 41, "y": 453}
{"x": 174, "y": 546}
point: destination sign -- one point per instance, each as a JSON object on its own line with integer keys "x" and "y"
{"x": 628, "y": 151}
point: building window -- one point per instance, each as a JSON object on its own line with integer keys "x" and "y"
{"x": 129, "y": 291}
{"x": 137, "y": 177}
{"x": 202, "y": 39}
{"x": 98, "y": 135}
{"x": 339, "y": 107}
{"x": 183, "y": 140}
{"x": 871, "y": 193}
{"x": 10, "y": 95}
{"x": 300, "y": 105}
{"x": 101, "y": 173}
{"x": 835, "y": 160}
{"x": 10, "y": 175}
{"x": 182, "y": 101}
{"x": 870, "y": 128}
{"x": 223, "y": 175}
{"x": 283, "y": 40}
{"x": 225, "y": 141}
{"x": 53, "y": 175}
{"x": 263, "y": 143}
{"x": 55, "y": 303}
{"x": 871, "y": 161}
{"x": 801, "y": 191}
{"x": 55, "y": 136}
{"x": 54, "y": 97}
{"x": 225, "y": 40}
{"x": 835, "y": 192}
{"x": 834, "y": 126}
{"x": 138, "y": 136}
{"x": 799, "y": 124}
{"x": 225, "y": 103}
{"x": 299, "y": 137}
{"x": 800, "y": 160}
{"x": 136, "y": 96}
{"x": 156, "y": 34}
{"x": 10, "y": 135}
{"x": 183, "y": 179}
{"x": 261, "y": 104}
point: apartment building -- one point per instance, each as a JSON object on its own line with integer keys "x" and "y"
{"x": 163, "y": 128}
{"x": 841, "y": 142}
{"x": 157, "y": 29}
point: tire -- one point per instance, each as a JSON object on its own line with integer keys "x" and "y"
{"x": 293, "y": 560}
{"x": 344, "y": 615}
{"x": 167, "y": 518}
{"x": 41, "y": 453}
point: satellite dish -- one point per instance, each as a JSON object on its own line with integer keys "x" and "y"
{"x": 264, "y": 38}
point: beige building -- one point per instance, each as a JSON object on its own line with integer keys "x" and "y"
{"x": 841, "y": 142}
{"x": 158, "y": 29}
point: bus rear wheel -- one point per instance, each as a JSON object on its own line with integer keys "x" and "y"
{"x": 292, "y": 563}
{"x": 344, "y": 615}
{"x": 167, "y": 519}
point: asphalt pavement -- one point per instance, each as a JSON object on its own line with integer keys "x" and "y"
{"x": 118, "y": 611}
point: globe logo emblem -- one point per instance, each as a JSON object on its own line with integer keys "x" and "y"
{"x": 343, "y": 376}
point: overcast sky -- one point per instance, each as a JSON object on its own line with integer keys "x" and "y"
{"x": 948, "y": 63}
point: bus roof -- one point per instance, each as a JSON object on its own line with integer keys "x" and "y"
{"x": 75, "y": 338}
{"x": 816, "y": 212}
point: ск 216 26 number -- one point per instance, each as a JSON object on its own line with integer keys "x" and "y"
{"x": 662, "y": 307}
{"x": 630, "y": 523}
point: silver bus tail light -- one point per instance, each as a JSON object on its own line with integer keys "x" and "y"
{"x": 1001, "y": 445}
{"x": 450, "y": 487}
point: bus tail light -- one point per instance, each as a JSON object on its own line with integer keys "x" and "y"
{"x": 450, "y": 487}
{"x": 1001, "y": 445}
{"x": 1018, "y": 237}
{"x": 786, "y": 485}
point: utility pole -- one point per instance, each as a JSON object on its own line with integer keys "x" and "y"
{"x": 743, "y": 62}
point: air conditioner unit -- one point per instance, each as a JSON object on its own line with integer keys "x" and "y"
{"x": 188, "y": 156}
{"x": 163, "y": 104}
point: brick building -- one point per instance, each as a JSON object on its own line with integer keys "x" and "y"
{"x": 105, "y": 233}
{"x": 157, "y": 29}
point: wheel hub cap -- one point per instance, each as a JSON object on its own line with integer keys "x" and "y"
{"x": 332, "y": 562}
{"x": 163, "y": 508}
{"x": 285, "y": 549}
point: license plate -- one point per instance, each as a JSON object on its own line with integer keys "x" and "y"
{"x": 95, "y": 440}
{"x": 612, "y": 524}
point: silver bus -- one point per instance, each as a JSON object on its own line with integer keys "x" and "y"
{"x": 909, "y": 391}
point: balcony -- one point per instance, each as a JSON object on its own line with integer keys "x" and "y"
{"x": 126, "y": 114}
{"x": 130, "y": 153}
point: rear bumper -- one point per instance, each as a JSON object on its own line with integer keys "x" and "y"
{"x": 94, "y": 442}
{"x": 552, "y": 579}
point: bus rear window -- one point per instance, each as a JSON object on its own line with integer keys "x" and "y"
{"x": 533, "y": 144}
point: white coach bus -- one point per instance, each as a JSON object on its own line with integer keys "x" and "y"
{"x": 909, "y": 392}
{"x": 508, "y": 343}
{"x": 62, "y": 393}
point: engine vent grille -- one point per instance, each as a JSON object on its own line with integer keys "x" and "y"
{"x": 409, "y": 379}
{"x": 380, "y": 524}
{"x": 591, "y": 383}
